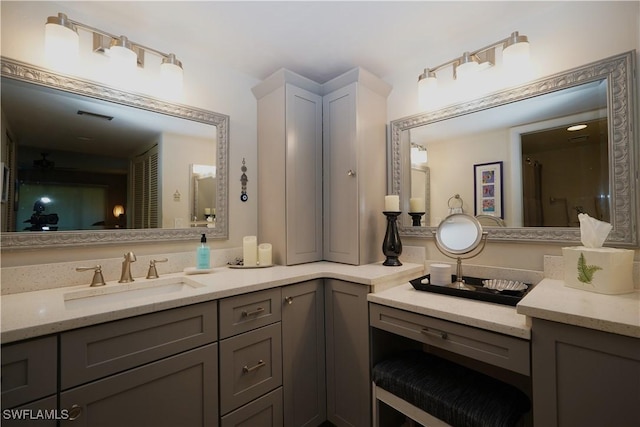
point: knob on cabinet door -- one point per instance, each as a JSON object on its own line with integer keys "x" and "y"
{"x": 351, "y": 173}
{"x": 288, "y": 300}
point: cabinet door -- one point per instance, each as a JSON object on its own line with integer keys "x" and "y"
{"x": 341, "y": 204}
{"x": 303, "y": 176}
{"x": 29, "y": 371}
{"x": 303, "y": 354}
{"x": 583, "y": 377}
{"x": 41, "y": 413}
{"x": 181, "y": 390}
{"x": 348, "y": 383}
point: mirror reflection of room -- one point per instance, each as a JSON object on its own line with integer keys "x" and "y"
{"x": 100, "y": 164}
{"x": 565, "y": 173}
{"x": 550, "y": 175}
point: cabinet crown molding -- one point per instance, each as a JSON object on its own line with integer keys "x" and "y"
{"x": 284, "y": 76}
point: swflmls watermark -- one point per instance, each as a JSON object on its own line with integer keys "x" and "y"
{"x": 35, "y": 414}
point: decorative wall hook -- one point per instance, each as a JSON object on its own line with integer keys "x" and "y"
{"x": 244, "y": 180}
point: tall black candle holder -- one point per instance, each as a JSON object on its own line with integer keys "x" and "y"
{"x": 416, "y": 218}
{"x": 392, "y": 246}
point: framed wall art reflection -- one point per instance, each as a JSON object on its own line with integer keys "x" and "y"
{"x": 487, "y": 183}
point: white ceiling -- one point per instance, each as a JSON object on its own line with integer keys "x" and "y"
{"x": 317, "y": 39}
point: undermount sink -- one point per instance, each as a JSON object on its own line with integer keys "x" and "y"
{"x": 120, "y": 292}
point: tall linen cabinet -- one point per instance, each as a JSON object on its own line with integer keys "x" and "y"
{"x": 290, "y": 167}
{"x": 322, "y": 167}
{"x": 354, "y": 115}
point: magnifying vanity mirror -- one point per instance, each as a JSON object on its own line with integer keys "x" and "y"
{"x": 544, "y": 175}
{"x": 459, "y": 236}
{"x": 115, "y": 166}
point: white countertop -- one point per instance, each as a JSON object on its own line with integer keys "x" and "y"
{"x": 494, "y": 317}
{"x": 30, "y": 314}
{"x": 552, "y": 300}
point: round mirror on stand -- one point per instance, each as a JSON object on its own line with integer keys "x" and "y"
{"x": 460, "y": 236}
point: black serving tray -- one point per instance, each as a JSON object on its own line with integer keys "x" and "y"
{"x": 480, "y": 293}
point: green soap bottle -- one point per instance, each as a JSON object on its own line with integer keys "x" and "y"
{"x": 203, "y": 260}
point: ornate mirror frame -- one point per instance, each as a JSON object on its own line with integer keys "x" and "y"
{"x": 40, "y": 76}
{"x": 619, "y": 72}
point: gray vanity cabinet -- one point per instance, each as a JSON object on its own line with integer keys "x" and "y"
{"x": 303, "y": 354}
{"x": 584, "y": 377}
{"x": 157, "y": 369}
{"x": 29, "y": 371}
{"x": 251, "y": 358}
{"x": 354, "y": 147}
{"x": 177, "y": 391}
{"x": 29, "y": 382}
{"x": 289, "y": 175}
{"x": 347, "y": 331}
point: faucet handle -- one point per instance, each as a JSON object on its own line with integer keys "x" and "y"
{"x": 98, "y": 279}
{"x": 153, "y": 271}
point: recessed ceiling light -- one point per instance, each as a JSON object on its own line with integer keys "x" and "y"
{"x": 576, "y": 127}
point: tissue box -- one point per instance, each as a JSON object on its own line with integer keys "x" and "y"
{"x": 602, "y": 270}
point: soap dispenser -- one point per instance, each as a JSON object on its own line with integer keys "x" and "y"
{"x": 202, "y": 254}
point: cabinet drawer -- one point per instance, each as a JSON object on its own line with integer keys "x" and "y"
{"x": 250, "y": 366}
{"x": 97, "y": 351}
{"x": 249, "y": 311}
{"x": 29, "y": 371}
{"x": 489, "y": 347}
{"x": 180, "y": 390}
{"x": 264, "y": 412}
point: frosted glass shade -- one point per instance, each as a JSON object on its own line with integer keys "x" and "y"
{"x": 171, "y": 75}
{"x": 426, "y": 87}
{"x": 123, "y": 58}
{"x": 467, "y": 70}
{"x": 516, "y": 55}
{"x": 61, "y": 44}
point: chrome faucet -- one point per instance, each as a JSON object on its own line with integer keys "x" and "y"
{"x": 126, "y": 276}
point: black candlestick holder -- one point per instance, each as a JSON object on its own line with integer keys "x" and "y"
{"x": 392, "y": 246}
{"x": 417, "y": 218}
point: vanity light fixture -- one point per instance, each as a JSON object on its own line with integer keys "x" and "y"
{"x": 62, "y": 41}
{"x": 576, "y": 127}
{"x": 418, "y": 153}
{"x": 515, "y": 51}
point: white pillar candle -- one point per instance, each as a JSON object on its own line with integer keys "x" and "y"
{"x": 207, "y": 211}
{"x": 250, "y": 250}
{"x": 264, "y": 254}
{"x": 416, "y": 204}
{"x": 392, "y": 203}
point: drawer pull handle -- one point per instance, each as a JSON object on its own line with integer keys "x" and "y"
{"x": 252, "y": 313}
{"x": 246, "y": 369}
{"x": 438, "y": 334}
{"x": 75, "y": 412}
